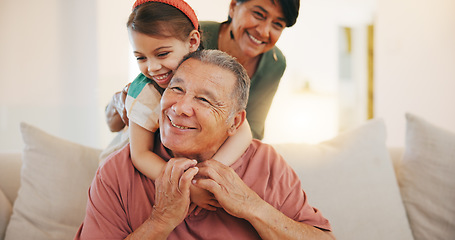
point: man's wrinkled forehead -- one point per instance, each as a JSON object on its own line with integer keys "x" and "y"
{"x": 213, "y": 74}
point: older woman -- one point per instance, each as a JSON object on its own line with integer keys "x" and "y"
{"x": 250, "y": 33}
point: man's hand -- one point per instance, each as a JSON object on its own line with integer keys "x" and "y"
{"x": 241, "y": 201}
{"x": 229, "y": 189}
{"x": 172, "y": 200}
{"x": 173, "y": 192}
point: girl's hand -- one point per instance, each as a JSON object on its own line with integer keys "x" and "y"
{"x": 203, "y": 199}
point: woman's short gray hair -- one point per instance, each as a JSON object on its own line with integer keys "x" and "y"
{"x": 225, "y": 61}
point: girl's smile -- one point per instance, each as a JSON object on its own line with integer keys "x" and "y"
{"x": 162, "y": 79}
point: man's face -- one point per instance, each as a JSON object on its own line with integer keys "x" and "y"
{"x": 195, "y": 110}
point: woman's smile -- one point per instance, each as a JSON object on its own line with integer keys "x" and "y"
{"x": 255, "y": 40}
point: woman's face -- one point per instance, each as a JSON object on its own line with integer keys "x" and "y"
{"x": 158, "y": 57}
{"x": 256, "y": 25}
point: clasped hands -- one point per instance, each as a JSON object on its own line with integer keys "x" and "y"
{"x": 172, "y": 200}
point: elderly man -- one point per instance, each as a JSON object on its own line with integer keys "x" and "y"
{"x": 259, "y": 194}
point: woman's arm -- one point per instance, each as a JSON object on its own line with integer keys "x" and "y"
{"x": 235, "y": 145}
{"x": 141, "y": 144}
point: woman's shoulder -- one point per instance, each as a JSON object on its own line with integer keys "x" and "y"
{"x": 272, "y": 64}
{"x": 209, "y": 32}
{"x": 210, "y": 25}
{"x": 275, "y": 56}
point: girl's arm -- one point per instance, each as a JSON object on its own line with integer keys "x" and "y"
{"x": 141, "y": 144}
{"x": 231, "y": 150}
{"x": 235, "y": 145}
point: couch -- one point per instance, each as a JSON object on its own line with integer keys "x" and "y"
{"x": 350, "y": 178}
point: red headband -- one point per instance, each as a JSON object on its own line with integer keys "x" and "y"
{"x": 179, "y": 4}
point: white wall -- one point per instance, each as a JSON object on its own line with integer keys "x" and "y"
{"x": 48, "y": 64}
{"x": 415, "y": 63}
{"x": 113, "y": 57}
{"x": 60, "y": 62}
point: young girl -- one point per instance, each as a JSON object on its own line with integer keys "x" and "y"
{"x": 161, "y": 33}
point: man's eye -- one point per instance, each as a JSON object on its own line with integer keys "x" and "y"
{"x": 177, "y": 89}
{"x": 203, "y": 100}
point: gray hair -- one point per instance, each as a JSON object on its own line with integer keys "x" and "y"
{"x": 225, "y": 61}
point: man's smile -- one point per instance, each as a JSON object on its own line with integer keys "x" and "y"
{"x": 179, "y": 126}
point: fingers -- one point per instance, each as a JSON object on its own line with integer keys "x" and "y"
{"x": 209, "y": 185}
{"x": 193, "y": 207}
{"x": 177, "y": 166}
{"x": 215, "y": 170}
{"x": 126, "y": 88}
{"x": 197, "y": 210}
{"x": 206, "y": 207}
{"x": 215, "y": 204}
{"x": 125, "y": 118}
{"x": 175, "y": 173}
{"x": 120, "y": 105}
{"x": 185, "y": 180}
{"x": 210, "y": 208}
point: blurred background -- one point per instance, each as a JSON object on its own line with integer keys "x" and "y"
{"x": 348, "y": 61}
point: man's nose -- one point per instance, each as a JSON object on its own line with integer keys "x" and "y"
{"x": 183, "y": 106}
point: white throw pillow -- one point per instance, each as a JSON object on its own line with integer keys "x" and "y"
{"x": 351, "y": 180}
{"x": 55, "y": 178}
{"x": 427, "y": 179}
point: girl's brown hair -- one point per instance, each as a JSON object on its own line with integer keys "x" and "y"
{"x": 160, "y": 19}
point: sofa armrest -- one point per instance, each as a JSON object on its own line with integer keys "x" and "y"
{"x": 10, "y": 169}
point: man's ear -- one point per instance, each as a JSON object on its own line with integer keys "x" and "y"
{"x": 194, "y": 40}
{"x": 237, "y": 121}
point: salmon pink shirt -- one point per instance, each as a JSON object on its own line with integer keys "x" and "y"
{"x": 121, "y": 198}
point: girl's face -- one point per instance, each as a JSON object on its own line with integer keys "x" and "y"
{"x": 257, "y": 25}
{"x": 158, "y": 57}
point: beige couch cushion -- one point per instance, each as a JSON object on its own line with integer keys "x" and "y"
{"x": 427, "y": 179}
{"x": 55, "y": 177}
{"x": 351, "y": 180}
{"x": 10, "y": 168}
{"x": 5, "y": 212}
